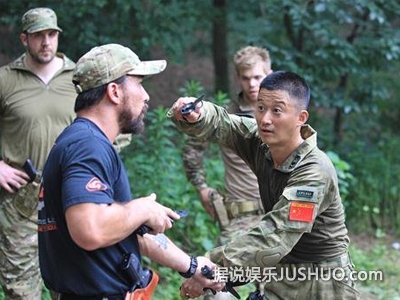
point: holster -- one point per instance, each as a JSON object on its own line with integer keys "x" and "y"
{"x": 26, "y": 199}
{"x": 218, "y": 202}
{"x": 145, "y": 293}
{"x": 143, "y": 280}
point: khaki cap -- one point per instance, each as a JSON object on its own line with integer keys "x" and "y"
{"x": 39, "y": 19}
{"x": 107, "y": 63}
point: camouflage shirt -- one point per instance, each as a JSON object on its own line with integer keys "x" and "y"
{"x": 304, "y": 219}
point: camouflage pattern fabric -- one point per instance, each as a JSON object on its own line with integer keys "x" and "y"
{"x": 106, "y": 63}
{"x": 192, "y": 155}
{"x": 235, "y": 228}
{"x": 19, "y": 262}
{"x": 39, "y": 19}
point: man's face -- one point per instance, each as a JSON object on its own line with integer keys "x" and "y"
{"x": 42, "y": 45}
{"x": 278, "y": 118}
{"x": 134, "y": 106}
{"x": 249, "y": 81}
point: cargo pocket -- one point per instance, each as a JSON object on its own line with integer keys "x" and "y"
{"x": 346, "y": 288}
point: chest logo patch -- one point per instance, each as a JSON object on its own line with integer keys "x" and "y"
{"x": 300, "y": 211}
{"x": 95, "y": 185}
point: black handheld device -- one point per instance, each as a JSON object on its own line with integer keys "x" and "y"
{"x": 30, "y": 170}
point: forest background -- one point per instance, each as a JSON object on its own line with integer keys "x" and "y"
{"x": 349, "y": 53}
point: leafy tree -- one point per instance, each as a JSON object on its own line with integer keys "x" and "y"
{"x": 143, "y": 25}
{"x": 339, "y": 47}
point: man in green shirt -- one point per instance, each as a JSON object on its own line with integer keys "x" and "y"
{"x": 36, "y": 103}
{"x": 303, "y": 232}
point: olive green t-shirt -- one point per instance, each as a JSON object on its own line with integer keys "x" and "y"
{"x": 32, "y": 113}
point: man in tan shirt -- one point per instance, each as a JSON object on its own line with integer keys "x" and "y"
{"x": 36, "y": 104}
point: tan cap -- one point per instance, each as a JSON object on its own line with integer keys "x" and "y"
{"x": 106, "y": 63}
{"x": 38, "y": 19}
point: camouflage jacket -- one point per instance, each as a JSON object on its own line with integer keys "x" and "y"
{"x": 304, "y": 216}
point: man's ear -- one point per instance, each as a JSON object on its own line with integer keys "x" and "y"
{"x": 303, "y": 117}
{"x": 114, "y": 93}
{"x": 23, "y": 37}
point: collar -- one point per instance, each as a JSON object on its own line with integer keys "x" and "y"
{"x": 19, "y": 63}
{"x": 242, "y": 107}
{"x": 310, "y": 142}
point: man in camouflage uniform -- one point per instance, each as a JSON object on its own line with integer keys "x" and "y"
{"x": 304, "y": 225}
{"x": 36, "y": 104}
{"x": 240, "y": 207}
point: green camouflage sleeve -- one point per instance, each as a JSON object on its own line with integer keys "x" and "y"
{"x": 193, "y": 155}
{"x": 280, "y": 229}
{"x": 217, "y": 125}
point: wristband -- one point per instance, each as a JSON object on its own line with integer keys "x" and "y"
{"x": 192, "y": 268}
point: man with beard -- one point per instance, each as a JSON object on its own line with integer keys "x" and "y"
{"x": 36, "y": 104}
{"x": 89, "y": 243}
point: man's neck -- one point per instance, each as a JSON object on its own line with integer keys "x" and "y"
{"x": 248, "y": 102}
{"x": 280, "y": 153}
{"x": 44, "y": 71}
{"x": 103, "y": 120}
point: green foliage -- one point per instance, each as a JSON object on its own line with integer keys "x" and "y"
{"x": 377, "y": 257}
{"x": 142, "y": 25}
{"x": 191, "y": 88}
{"x": 343, "y": 172}
{"x": 338, "y": 46}
{"x": 376, "y": 192}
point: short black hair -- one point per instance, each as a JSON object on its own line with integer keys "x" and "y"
{"x": 293, "y": 84}
{"x": 91, "y": 97}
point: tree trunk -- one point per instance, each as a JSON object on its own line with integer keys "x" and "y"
{"x": 219, "y": 47}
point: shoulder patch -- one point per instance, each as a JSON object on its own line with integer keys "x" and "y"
{"x": 301, "y": 211}
{"x": 301, "y": 193}
{"x": 95, "y": 185}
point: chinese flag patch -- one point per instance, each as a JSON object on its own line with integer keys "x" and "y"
{"x": 300, "y": 211}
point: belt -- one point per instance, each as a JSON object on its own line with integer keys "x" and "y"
{"x": 77, "y": 297}
{"x": 237, "y": 208}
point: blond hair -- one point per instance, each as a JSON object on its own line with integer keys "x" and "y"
{"x": 245, "y": 58}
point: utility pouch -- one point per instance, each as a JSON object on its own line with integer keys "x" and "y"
{"x": 218, "y": 202}
{"x": 26, "y": 199}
